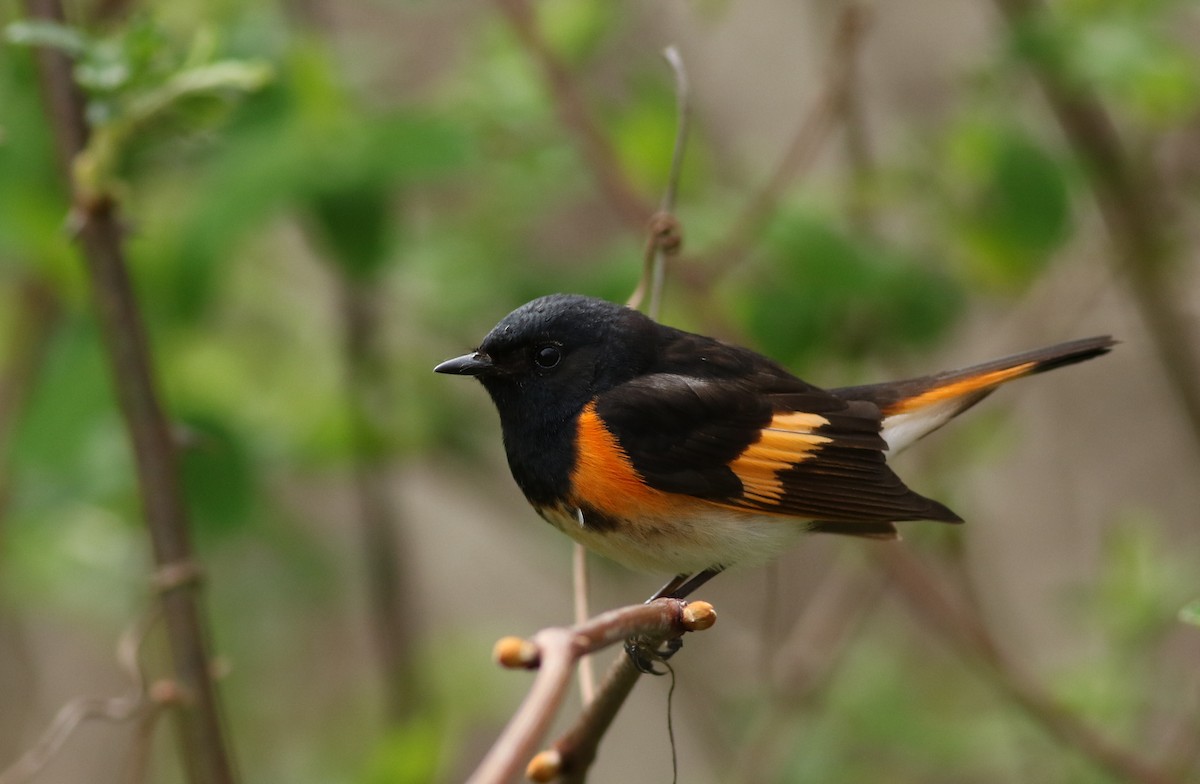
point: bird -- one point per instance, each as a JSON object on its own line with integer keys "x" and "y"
{"x": 672, "y": 452}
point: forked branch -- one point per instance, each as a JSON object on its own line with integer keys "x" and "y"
{"x": 100, "y": 238}
{"x": 554, "y": 653}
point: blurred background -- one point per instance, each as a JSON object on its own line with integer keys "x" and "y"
{"x": 323, "y": 200}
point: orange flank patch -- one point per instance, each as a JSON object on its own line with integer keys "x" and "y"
{"x": 601, "y": 465}
{"x": 959, "y": 388}
{"x": 789, "y": 439}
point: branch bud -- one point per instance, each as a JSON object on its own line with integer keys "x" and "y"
{"x": 698, "y": 616}
{"x": 545, "y": 766}
{"x": 515, "y": 652}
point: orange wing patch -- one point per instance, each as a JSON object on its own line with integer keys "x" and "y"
{"x": 789, "y": 439}
{"x": 960, "y": 388}
{"x": 614, "y": 487}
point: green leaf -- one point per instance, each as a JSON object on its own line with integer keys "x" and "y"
{"x": 828, "y": 292}
{"x": 1191, "y": 613}
{"x": 1011, "y": 204}
{"x": 36, "y": 32}
{"x": 353, "y": 224}
{"x": 406, "y": 755}
{"x": 217, "y": 474}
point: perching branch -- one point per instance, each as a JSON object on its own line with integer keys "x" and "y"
{"x": 554, "y": 652}
{"x": 388, "y": 581}
{"x": 573, "y": 113}
{"x": 37, "y": 312}
{"x": 140, "y": 702}
{"x": 206, "y": 757}
{"x": 1131, "y": 202}
{"x": 974, "y": 641}
{"x": 810, "y": 138}
{"x": 662, "y": 239}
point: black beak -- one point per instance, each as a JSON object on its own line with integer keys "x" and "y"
{"x": 474, "y": 364}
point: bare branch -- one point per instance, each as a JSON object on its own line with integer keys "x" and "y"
{"x": 930, "y": 603}
{"x": 554, "y": 652}
{"x": 1131, "y": 202}
{"x": 37, "y": 314}
{"x": 573, "y": 113}
{"x": 664, "y": 237}
{"x": 580, "y": 586}
{"x": 388, "y": 581}
{"x": 576, "y": 749}
{"x": 205, "y": 754}
{"x": 137, "y": 703}
{"x": 801, "y": 154}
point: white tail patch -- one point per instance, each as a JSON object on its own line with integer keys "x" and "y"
{"x": 902, "y": 430}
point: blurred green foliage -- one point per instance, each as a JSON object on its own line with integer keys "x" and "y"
{"x": 267, "y": 168}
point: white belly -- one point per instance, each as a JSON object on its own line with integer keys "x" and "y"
{"x": 709, "y": 537}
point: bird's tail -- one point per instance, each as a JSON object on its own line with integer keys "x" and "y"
{"x": 916, "y": 407}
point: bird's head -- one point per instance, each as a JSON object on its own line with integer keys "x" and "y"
{"x": 549, "y": 357}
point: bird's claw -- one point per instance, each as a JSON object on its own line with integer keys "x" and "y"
{"x": 643, "y": 654}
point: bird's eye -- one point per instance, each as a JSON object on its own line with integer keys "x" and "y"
{"x": 547, "y": 356}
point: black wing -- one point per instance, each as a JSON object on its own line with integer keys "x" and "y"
{"x": 760, "y": 440}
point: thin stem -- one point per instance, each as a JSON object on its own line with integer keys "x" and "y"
{"x": 683, "y": 108}
{"x": 554, "y": 652}
{"x": 1132, "y": 206}
{"x": 573, "y": 113}
{"x": 389, "y": 592}
{"x": 663, "y": 234}
{"x": 810, "y": 138}
{"x": 581, "y": 586}
{"x": 37, "y": 314}
{"x": 973, "y": 640}
{"x": 206, "y": 757}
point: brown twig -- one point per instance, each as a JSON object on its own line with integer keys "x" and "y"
{"x": 37, "y": 314}
{"x": 810, "y": 138}
{"x": 580, "y": 742}
{"x": 663, "y": 239}
{"x": 573, "y": 113}
{"x": 137, "y": 703}
{"x": 388, "y": 586}
{"x": 930, "y": 603}
{"x": 554, "y": 653}
{"x": 205, "y": 754}
{"x": 857, "y": 147}
{"x": 1131, "y": 203}
{"x": 581, "y": 590}
{"x": 804, "y": 663}
{"x": 664, "y": 236}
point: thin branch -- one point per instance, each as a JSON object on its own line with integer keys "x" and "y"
{"x": 1131, "y": 203}
{"x": 810, "y": 138}
{"x": 205, "y": 754}
{"x": 805, "y": 662}
{"x": 664, "y": 237}
{"x": 389, "y": 591}
{"x": 857, "y": 147}
{"x": 581, "y": 590}
{"x": 578, "y": 745}
{"x": 37, "y": 314}
{"x": 683, "y": 111}
{"x": 974, "y": 641}
{"x": 573, "y": 113}
{"x": 136, "y": 703}
{"x": 554, "y": 652}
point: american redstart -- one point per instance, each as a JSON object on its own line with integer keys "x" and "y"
{"x": 673, "y": 452}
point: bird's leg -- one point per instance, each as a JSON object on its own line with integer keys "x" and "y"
{"x": 668, "y": 590}
{"x": 678, "y": 587}
{"x": 699, "y": 578}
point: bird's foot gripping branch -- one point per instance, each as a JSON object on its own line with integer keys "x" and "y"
{"x": 554, "y": 652}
